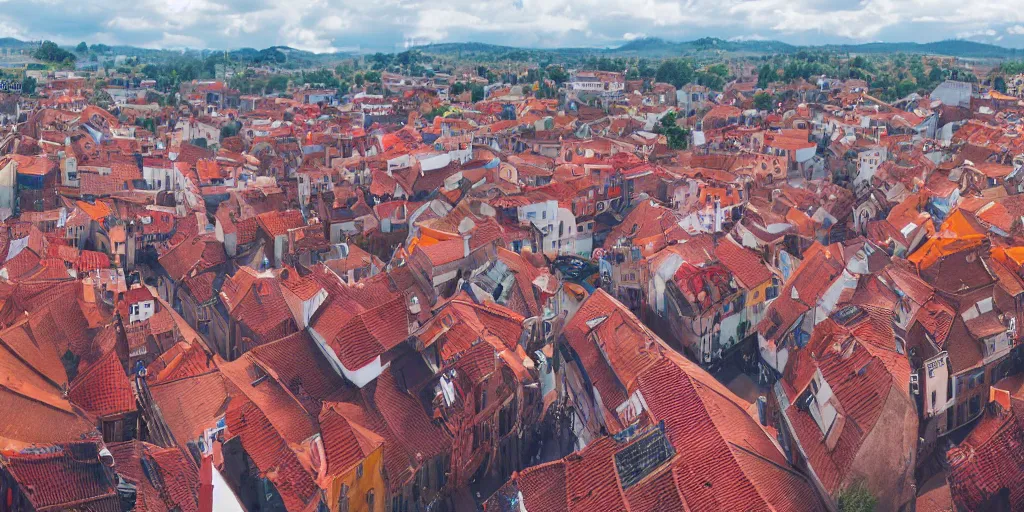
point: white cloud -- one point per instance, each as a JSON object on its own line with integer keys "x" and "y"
{"x": 322, "y": 25}
{"x": 749, "y": 37}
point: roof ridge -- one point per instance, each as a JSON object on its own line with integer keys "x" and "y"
{"x": 216, "y": 369}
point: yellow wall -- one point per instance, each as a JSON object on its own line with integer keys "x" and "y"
{"x": 760, "y": 290}
{"x": 372, "y": 479}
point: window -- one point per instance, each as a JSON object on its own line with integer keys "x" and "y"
{"x": 933, "y": 399}
{"x": 544, "y": 214}
{"x": 359, "y": 471}
{"x": 579, "y": 228}
{"x": 369, "y": 499}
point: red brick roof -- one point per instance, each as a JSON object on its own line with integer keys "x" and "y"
{"x": 860, "y": 363}
{"x": 990, "y": 461}
{"x": 65, "y": 477}
{"x": 358, "y": 336}
{"x": 200, "y": 252}
{"x": 176, "y": 475}
{"x": 191, "y": 405}
{"x": 103, "y": 389}
{"x": 271, "y": 454}
{"x": 278, "y": 223}
{"x": 745, "y": 265}
{"x": 346, "y": 443}
{"x": 718, "y": 445}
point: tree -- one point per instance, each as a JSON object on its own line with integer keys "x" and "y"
{"x": 82, "y": 47}
{"x": 321, "y": 77}
{"x": 372, "y": 77}
{"x": 277, "y": 83}
{"x": 28, "y": 85}
{"x": 556, "y": 73}
{"x": 765, "y": 76}
{"x": 677, "y": 72}
{"x": 676, "y": 137}
{"x": 764, "y": 101}
{"x": 50, "y": 52}
{"x": 101, "y": 98}
{"x": 857, "y": 498}
{"x": 999, "y": 84}
{"x": 230, "y": 129}
{"x": 904, "y": 88}
{"x": 477, "y": 91}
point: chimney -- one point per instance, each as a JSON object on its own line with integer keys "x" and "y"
{"x": 206, "y": 485}
{"x": 465, "y": 245}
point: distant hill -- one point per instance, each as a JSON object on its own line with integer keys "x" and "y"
{"x": 952, "y": 48}
{"x": 10, "y": 42}
{"x": 654, "y": 48}
{"x": 660, "y": 48}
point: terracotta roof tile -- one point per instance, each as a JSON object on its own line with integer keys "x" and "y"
{"x": 178, "y": 476}
{"x": 103, "y": 389}
{"x": 345, "y": 443}
{"x": 278, "y": 223}
{"x": 191, "y": 405}
{"x": 745, "y": 265}
{"x": 272, "y": 456}
{"x": 990, "y": 462}
{"x": 63, "y": 477}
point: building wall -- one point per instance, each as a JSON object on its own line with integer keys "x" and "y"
{"x": 888, "y": 455}
{"x": 371, "y": 481}
{"x": 8, "y": 178}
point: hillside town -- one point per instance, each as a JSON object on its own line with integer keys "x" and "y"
{"x": 448, "y": 291}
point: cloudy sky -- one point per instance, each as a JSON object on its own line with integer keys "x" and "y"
{"x": 373, "y": 25}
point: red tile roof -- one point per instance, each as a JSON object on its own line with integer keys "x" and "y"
{"x": 359, "y": 336}
{"x": 410, "y": 435}
{"x": 443, "y": 253}
{"x": 280, "y": 407}
{"x": 988, "y": 465}
{"x": 346, "y": 443}
{"x": 181, "y": 361}
{"x": 271, "y": 454}
{"x": 191, "y": 405}
{"x": 103, "y": 388}
{"x": 277, "y": 224}
{"x": 300, "y": 366}
{"x": 745, "y": 265}
{"x": 860, "y": 364}
{"x": 200, "y": 252}
{"x": 176, "y": 484}
{"x": 258, "y": 303}
{"x": 718, "y": 445}
{"x": 64, "y": 477}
